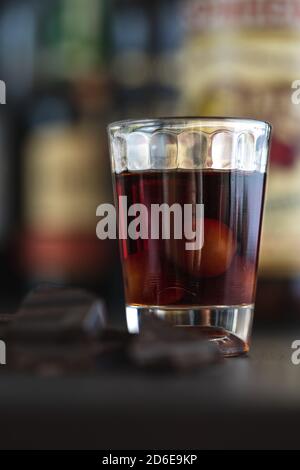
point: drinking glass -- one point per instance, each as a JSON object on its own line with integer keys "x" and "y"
{"x": 189, "y": 195}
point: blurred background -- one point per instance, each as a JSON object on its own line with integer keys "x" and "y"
{"x": 73, "y": 66}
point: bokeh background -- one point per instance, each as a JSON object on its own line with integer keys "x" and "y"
{"x": 73, "y": 66}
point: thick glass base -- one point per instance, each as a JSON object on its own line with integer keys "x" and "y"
{"x": 227, "y": 326}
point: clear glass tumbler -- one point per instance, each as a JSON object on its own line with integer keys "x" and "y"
{"x": 189, "y": 195}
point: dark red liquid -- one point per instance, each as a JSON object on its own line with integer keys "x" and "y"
{"x": 162, "y": 272}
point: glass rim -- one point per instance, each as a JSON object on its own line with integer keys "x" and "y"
{"x": 184, "y": 121}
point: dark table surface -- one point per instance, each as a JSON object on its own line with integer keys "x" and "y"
{"x": 246, "y": 402}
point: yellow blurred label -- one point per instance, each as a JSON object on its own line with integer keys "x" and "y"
{"x": 63, "y": 180}
{"x": 248, "y": 72}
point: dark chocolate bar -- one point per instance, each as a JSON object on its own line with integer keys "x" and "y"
{"x": 53, "y": 314}
{"x": 163, "y": 346}
{"x": 59, "y": 330}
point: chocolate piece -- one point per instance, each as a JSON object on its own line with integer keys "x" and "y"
{"x": 58, "y": 331}
{"x": 54, "y": 314}
{"x": 163, "y": 346}
{"x": 54, "y": 331}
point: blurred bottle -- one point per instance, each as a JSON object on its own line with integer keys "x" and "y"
{"x": 7, "y": 202}
{"x": 64, "y": 180}
{"x": 64, "y": 164}
{"x": 74, "y": 39}
{"x": 5, "y": 199}
{"x": 145, "y": 42}
{"x": 241, "y": 58}
{"x": 165, "y": 51}
{"x": 131, "y": 65}
{"x": 18, "y": 45}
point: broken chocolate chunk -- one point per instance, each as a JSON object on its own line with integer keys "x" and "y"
{"x": 53, "y": 314}
{"x": 58, "y": 330}
{"x": 161, "y": 345}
